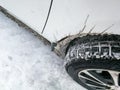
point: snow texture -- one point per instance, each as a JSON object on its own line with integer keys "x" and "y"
{"x": 27, "y": 64}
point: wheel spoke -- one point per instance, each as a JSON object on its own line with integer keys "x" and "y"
{"x": 115, "y": 76}
{"x": 87, "y": 77}
{"x": 100, "y": 79}
{"x": 95, "y": 76}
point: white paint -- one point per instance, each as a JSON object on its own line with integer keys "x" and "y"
{"x": 67, "y": 16}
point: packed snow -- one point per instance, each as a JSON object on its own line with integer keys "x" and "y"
{"x": 27, "y": 64}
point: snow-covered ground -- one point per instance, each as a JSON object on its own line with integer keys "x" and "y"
{"x": 27, "y": 64}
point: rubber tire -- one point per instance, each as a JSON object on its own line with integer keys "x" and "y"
{"x": 74, "y": 67}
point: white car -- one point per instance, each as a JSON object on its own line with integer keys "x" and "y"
{"x": 70, "y": 25}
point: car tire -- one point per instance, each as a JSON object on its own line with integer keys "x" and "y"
{"x": 96, "y": 73}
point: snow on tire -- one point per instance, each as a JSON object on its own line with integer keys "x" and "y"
{"x": 94, "y": 61}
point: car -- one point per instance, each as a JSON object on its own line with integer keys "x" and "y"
{"x": 84, "y": 33}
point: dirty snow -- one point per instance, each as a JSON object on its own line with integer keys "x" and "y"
{"x": 27, "y": 64}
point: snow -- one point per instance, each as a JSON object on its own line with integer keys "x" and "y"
{"x": 27, "y": 64}
{"x": 67, "y": 16}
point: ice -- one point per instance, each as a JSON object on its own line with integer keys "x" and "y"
{"x": 27, "y": 64}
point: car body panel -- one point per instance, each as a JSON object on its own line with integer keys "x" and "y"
{"x": 67, "y": 17}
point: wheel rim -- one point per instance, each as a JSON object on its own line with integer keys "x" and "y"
{"x": 100, "y": 79}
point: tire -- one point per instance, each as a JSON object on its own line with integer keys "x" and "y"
{"x": 95, "y": 73}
